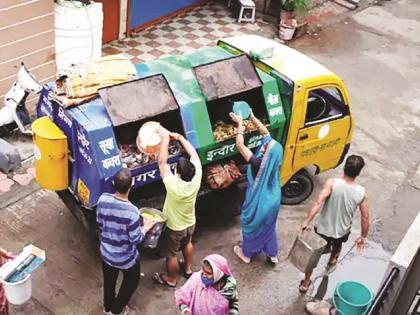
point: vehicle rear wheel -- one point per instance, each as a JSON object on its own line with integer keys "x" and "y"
{"x": 85, "y": 216}
{"x": 297, "y": 189}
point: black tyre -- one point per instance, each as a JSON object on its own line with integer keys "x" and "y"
{"x": 297, "y": 189}
{"x": 85, "y": 216}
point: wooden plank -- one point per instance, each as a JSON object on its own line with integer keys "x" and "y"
{"x": 16, "y": 14}
{"x": 26, "y": 29}
{"x": 42, "y": 72}
{"x": 30, "y": 60}
{"x": 4, "y": 4}
{"x": 25, "y": 46}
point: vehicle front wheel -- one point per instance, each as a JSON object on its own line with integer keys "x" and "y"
{"x": 297, "y": 189}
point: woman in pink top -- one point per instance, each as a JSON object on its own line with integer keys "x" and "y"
{"x": 211, "y": 291}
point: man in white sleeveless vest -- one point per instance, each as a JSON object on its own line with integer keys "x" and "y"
{"x": 336, "y": 205}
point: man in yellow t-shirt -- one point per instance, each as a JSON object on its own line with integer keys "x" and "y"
{"x": 181, "y": 194}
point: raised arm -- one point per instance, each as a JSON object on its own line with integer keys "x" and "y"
{"x": 186, "y": 144}
{"x": 261, "y": 128}
{"x": 240, "y": 144}
{"x": 163, "y": 153}
{"x": 322, "y": 197}
{"x": 364, "y": 210}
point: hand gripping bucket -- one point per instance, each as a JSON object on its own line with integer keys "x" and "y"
{"x": 152, "y": 237}
{"x": 352, "y": 298}
{"x": 18, "y": 292}
{"x": 307, "y": 250}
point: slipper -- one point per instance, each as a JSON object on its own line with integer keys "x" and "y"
{"x": 186, "y": 275}
{"x": 303, "y": 289}
{"x": 238, "y": 252}
{"x": 157, "y": 277}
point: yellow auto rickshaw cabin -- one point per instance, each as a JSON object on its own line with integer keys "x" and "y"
{"x": 320, "y": 127}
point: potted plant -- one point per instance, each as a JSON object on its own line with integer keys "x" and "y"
{"x": 292, "y": 7}
{"x": 288, "y": 21}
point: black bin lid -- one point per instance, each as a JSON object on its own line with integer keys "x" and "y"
{"x": 227, "y": 77}
{"x": 138, "y": 99}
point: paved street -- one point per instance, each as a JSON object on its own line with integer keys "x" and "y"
{"x": 377, "y": 53}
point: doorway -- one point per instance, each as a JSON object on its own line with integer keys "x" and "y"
{"x": 111, "y": 9}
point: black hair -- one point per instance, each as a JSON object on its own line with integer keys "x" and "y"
{"x": 353, "y": 166}
{"x": 185, "y": 169}
{"x": 122, "y": 180}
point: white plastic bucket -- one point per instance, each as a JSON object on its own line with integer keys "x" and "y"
{"x": 18, "y": 292}
{"x": 286, "y": 32}
{"x": 78, "y": 33}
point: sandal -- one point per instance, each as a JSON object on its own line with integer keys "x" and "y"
{"x": 273, "y": 260}
{"x": 303, "y": 289}
{"x": 186, "y": 275}
{"x": 157, "y": 277}
{"x": 238, "y": 251}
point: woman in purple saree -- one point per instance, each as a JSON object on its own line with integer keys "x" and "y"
{"x": 263, "y": 195}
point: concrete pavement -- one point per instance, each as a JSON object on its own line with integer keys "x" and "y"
{"x": 377, "y": 53}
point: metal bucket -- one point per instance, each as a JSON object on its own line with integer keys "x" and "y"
{"x": 148, "y": 141}
{"x": 307, "y": 250}
{"x": 152, "y": 237}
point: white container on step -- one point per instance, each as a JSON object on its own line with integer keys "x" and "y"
{"x": 287, "y": 29}
{"x": 18, "y": 292}
{"x": 78, "y": 32}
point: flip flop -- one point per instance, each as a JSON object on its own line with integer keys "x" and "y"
{"x": 184, "y": 273}
{"x": 238, "y": 252}
{"x": 303, "y": 289}
{"x": 272, "y": 260}
{"x": 157, "y": 277}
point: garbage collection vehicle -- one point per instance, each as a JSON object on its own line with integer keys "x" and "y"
{"x": 305, "y": 106}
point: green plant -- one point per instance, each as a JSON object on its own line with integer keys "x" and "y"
{"x": 296, "y": 5}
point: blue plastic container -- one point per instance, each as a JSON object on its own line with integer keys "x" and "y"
{"x": 242, "y": 108}
{"x": 151, "y": 238}
{"x": 352, "y": 298}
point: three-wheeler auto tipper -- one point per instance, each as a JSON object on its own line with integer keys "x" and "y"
{"x": 305, "y": 106}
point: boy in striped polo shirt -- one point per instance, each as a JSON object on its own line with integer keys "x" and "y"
{"x": 121, "y": 230}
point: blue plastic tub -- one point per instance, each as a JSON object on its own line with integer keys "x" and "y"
{"x": 352, "y": 298}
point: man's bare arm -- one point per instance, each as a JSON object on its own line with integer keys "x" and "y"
{"x": 163, "y": 153}
{"x": 364, "y": 210}
{"x": 188, "y": 148}
{"x": 322, "y": 197}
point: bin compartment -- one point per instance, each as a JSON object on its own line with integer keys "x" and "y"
{"x": 224, "y": 82}
{"x": 134, "y": 103}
